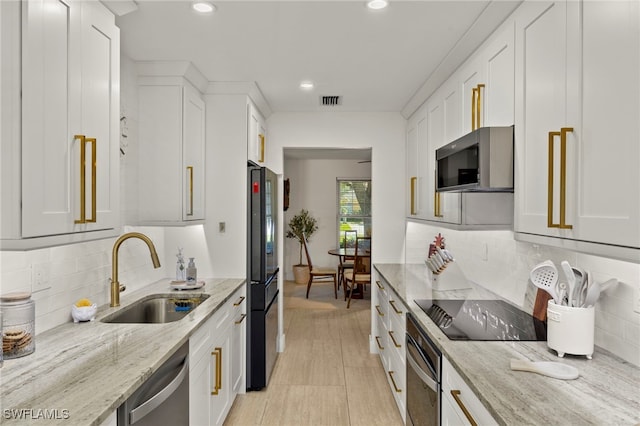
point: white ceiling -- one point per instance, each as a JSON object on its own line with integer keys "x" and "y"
{"x": 388, "y": 60}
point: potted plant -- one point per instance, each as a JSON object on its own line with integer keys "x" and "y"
{"x": 300, "y": 225}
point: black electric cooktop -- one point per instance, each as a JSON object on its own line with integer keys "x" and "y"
{"x": 483, "y": 320}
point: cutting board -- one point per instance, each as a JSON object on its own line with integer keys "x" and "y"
{"x": 540, "y": 305}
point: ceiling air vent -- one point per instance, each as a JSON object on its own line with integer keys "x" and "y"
{"x": 330, "y": 100}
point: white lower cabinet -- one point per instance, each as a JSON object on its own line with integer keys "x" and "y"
{"x": 213, "y": 371}
{"x": 389, "y": 329}
{"x": 460, "y": 406}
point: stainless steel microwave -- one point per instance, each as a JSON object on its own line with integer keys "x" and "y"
{"x": 480, "y": 161}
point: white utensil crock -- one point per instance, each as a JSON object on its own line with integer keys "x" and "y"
{"x": 570, "y": 330}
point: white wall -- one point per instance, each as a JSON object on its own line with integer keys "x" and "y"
{"x": 313, "y": 187}
{"x": 506, "y": 272}
{"x": 384, "y": 133}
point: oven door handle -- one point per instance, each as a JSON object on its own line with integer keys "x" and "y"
{"x": 412, "y": 342}
{"x": 422, "y": 375}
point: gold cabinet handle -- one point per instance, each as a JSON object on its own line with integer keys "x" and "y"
{"x": 563, "y": 179}
{"x": 94, "y": 174}
{"x": 474, "y": 95}
{"x": 436, "y": 197}
{"x": 83, "y": 179}
{"x": 391, "y": 373}
{"x": 380, "y": 286}
{"x": 378, "y": 343}
{"x": 83, "y": 166}
{"x": 190, "y": 171}
{"x": 414, "y": 181}
{"x": 393, "y": 305}
{"x": 239, "y": 302}
{"x": 261, "y": 137}
{"x": 456, "y": 395}
{"x": 379, "y": 311}
{"x": 393, "y": 339}
{"x": 478, "y": 105}
{"x": 217, "y": 352}
{"x": 242, "y": 317}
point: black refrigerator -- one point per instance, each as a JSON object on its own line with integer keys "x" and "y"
{"x": 262, "y": 275}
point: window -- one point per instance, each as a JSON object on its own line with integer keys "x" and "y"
{"x": 354, "y": 209}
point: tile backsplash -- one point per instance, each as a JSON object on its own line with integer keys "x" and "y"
{"x": 495, "y": 260}
{"x": 73, "y": 271}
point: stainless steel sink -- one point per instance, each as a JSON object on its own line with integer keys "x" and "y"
{"x": 157, "y": 309}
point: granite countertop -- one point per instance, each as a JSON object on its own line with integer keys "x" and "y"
{"x": 86, "y": 370}
{"x": 606, "y": 393}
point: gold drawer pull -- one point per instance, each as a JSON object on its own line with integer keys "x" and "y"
{"x": 380, "y": 286}
{"x": 379, "y": 311}
{"x": 456, "y": 395}
{"x": 563, "y": 180}
{"x": 391, "y": 373}
{"x": 242, "y": 317}
{"x": 393, "y": 305}
{"x": 239, "y": 301}
{"x": 217, "y": 352}
{"x": 396, "y": 344}
{"x": 378, "y": 342}
{"x": 190, "y": 171}
{"x": 261, "y": 137}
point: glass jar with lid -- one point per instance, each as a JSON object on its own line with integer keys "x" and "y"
{"x": 18, "y": 324}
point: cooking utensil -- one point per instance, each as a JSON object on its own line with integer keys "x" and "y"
{"x": 545, "y": 277}
{"x": 593, "y": 292}
{"x": 571, "y": 279}
{"x": 557, "y": 370}
{"x": 562, "y": 293}
{"x": 580, "y": 290}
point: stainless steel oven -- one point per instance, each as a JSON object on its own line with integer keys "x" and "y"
{"x": 423, "y": 377}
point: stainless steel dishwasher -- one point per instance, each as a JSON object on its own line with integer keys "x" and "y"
{"x": 164, "y": 398}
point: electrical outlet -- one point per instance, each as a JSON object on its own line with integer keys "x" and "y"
{"x": 636, "y": 299}
{"x": 40, "y": 277}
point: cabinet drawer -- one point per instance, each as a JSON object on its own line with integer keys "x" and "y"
{"x": 397, "y": 378}
{"x": 456, "y": 390}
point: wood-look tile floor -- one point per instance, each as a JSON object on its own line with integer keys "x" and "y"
{"x": 326, "y": 375}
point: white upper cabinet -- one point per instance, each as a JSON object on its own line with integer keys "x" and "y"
{"x": 256, "y": 135}
{"x": 70, "y": 68}
{"x": 172, "y": 151}
{"x": 577, "y": 108}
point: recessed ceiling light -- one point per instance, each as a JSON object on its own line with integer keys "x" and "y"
{"x": 203, "y": 7}
{"x": 377, "y": 4}
{"x": 306, "y": 85}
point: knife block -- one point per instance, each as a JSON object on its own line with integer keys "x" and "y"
{"x": 570, "y": 330}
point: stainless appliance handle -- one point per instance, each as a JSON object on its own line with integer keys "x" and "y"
{"x": 433, "y": 385}
{"x": 152, "y": 403}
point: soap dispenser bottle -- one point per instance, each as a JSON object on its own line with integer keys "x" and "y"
{"x": 192, "y": 271}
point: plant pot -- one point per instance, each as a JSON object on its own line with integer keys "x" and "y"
{"x": 301, "y": 274}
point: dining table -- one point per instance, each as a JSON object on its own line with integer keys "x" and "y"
{"x": 350, "y": 252}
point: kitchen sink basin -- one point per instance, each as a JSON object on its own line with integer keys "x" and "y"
{"x": 157, "y": 309}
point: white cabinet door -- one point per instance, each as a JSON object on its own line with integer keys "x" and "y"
{"x": 70, "y": 87}
{"x": 193, "y": 147}
{"x": 497, "y": 100}
{"x": 585, "y": 107}
{"x": 200, "y": 389}
{"x": 608, "y": 200}
{"x": 412, "y": 168}
{"x": 238, "y": 342}
{"x": 542, "y": 110}
{"x": 256, "y": 135}
{"x": 473, "y": 89}
{"x": 221, "y": 396}
{"x": 171, "y": 148}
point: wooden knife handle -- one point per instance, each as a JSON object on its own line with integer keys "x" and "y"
{"x": 540, "y": 305}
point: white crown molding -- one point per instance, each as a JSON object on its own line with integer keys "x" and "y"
{"x": 120, "y": 7}
{"x": 183, "y": 69}
{"x": 248, "y": 88}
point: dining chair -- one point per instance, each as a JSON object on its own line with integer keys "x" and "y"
{"x": 361, "y": 272}
{"x": 319, "y": 274}
{"x": 346, "y": 262}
